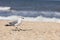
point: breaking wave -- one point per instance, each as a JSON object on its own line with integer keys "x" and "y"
{"x": 42, "y": 16}
{"x": 5, "y": 8}
{"x": 36, "y": 19}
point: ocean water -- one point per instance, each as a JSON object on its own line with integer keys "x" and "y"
{"x": 47, "y": 11}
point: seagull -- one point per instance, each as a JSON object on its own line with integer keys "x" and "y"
{"x": 15, "y": 22}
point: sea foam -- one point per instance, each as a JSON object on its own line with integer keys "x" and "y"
{"x": 36, "y": 19}
{"x": 4, "y": 8}
{"x": 42, "y": 16}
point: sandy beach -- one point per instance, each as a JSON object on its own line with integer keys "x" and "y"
{"x": 30, "y": 31}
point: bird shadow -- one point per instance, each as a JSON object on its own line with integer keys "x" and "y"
{"x": 19, "y": 29}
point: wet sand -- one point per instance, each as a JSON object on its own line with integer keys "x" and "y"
{"x": 30, "y": 31}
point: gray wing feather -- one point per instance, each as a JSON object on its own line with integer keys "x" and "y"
{"x": 13, "y": 23}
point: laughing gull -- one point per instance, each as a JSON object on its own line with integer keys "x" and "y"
{"x": 15, "y": 22}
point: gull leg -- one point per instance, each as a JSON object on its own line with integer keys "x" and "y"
{"x": 17, "y": 29}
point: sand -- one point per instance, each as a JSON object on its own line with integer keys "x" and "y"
{"x": 30, "y": 31}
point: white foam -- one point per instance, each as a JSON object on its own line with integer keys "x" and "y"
{"x": 39, "y": 18}
{"x": 9, "y": 18}
{"x": 29, "y": 13}
{"x": 4, "y": 8}
{"x": 42, "y": 19}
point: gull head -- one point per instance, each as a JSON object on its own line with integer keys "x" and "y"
{"x": 21, "y": 17}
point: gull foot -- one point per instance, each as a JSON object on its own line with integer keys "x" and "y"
{"x": 19, "y": 29}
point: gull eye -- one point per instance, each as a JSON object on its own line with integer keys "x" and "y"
{"x": 22, "y": 18}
